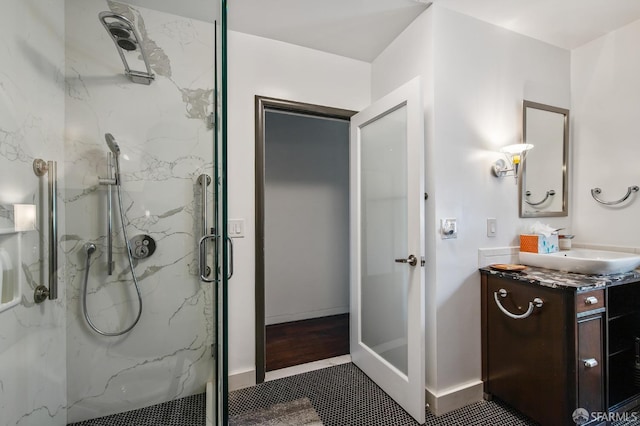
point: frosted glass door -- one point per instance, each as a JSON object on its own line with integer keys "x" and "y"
{"x": 387, "y": 190}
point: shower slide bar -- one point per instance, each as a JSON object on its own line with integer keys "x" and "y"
{"x": 597, "y": 191}
{"x": 109, "y": 182}
{"x": 40, "y": 168}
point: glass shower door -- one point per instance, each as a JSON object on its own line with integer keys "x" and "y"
{"x": 223, "y": 249}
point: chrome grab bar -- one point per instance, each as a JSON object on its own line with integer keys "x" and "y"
{"x": 550, "y": 193}
{"x": 204, "y": 181}
{"x": 40, "y": 168}
{"x": 535, "y": 303}
{"x": 596, "y": 191}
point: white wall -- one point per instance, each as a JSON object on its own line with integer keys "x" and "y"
{"x": 605, "y": 98}
{"x": 258, "y": 66}
{"x": 477, "y": 76}
{"x": 408, "y": 56}
{"x": 306, "y": 217}
{"x": 166, "y": 144}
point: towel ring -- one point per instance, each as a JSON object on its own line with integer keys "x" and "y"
{"x": 596, "y": 191}
{"x": 550, "y": 193}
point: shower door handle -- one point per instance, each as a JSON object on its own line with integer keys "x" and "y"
{"x": 230, "y": 258}
{"x": 203, "y": 258}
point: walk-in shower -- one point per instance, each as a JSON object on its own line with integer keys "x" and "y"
{"x": 64, "y": 88}
{"x": 89, "y": 248}
{"x": 127, "y": 41}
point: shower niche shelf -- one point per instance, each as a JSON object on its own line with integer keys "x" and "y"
{"x": 10, "y": 261}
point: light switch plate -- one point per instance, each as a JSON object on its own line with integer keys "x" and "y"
{"x": 448, "y": 228}
{"x": 235, "y": 228}
{"x": 492, "y": 227}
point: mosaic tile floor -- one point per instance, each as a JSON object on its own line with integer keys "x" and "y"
{"x": 341, "y": 395}
{"x": 344, "y": 396}
{"x": 188, "y": 411}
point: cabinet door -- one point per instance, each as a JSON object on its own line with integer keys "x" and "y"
{"x": 529, "y": 364}
{"x": 590, "y": 394}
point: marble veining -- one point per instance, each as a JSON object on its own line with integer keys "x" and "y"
{"x": 32, "y": 337}
{"x": 166, "y": 145}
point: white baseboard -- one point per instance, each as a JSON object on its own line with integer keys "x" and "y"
{"x": 454, "y": 398}
{"x": 299, "y": 316}
{"x": 242, "y": 380}
{"x": 209, "y": 400}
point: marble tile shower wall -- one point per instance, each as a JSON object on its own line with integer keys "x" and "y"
{"x": 166, "y": 144}
{"x": 32, "y": 337}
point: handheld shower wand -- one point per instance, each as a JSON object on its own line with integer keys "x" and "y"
{"x": 115, "y": 149}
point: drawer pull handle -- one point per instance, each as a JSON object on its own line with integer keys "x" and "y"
{"x": 591, "y": 300}
{"x": 535, "y": 303}
{"x": 590, "y": 363}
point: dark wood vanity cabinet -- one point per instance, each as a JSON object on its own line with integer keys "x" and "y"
{"x": 550, "y": 362}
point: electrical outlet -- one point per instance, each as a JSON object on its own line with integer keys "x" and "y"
{"x": 449, "y": 228}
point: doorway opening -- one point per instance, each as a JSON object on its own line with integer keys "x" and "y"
{"x": 302, "y": 233}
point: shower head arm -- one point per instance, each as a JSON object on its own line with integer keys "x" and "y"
{"x": 135, "y": 76}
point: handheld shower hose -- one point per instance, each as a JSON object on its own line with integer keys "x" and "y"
{"x": 90, "y": 248}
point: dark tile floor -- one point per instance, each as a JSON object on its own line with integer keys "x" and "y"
{"x": 188, "y": 411}
{"x": 341, "y": 395}
{"x": 344, "y": 396}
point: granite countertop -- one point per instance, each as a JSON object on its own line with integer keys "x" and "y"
{"x": 557, "y": 279}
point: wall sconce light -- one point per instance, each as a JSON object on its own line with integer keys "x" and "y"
{"x": 24, "y": 216}
{"x": 515, "y": 155}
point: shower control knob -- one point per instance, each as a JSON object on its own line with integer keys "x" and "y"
{"x": 141, "y": 252}
{"x": 142, "y": 246}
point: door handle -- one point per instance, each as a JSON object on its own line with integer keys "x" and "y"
{"x": 203, "y": 257}
{"x": 411, "y": 260}
{"x": 230, "y": 258}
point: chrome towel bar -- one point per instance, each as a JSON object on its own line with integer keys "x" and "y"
{"x": 597, "y": 191}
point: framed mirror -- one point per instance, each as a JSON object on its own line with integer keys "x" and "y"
{"x": 543, "y": 183}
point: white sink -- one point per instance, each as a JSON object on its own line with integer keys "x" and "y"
{"x": 584, "y": 261}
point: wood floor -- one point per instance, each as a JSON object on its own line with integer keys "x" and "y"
{"x": 299, "y": 342}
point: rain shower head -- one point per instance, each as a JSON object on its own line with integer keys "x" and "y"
{"x": 126, "y": 38}
{"x": 112, "y": 144}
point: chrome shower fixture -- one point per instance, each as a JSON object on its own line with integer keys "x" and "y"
{"x": 115, "y": 150}
{"x": 126, "y": 38}
{"x": 112, "y": 144}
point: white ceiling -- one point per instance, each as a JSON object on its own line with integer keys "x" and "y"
{"x": 361, "y": 29}
{"x": 563, "y": 23}
{"x": 358, "y": 29}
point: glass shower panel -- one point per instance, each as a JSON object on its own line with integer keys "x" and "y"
{"x": 384, "y": 219}
{"x": 166, "y": 138}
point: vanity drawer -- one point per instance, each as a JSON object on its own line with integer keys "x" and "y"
{"x": 590, "y": 300}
